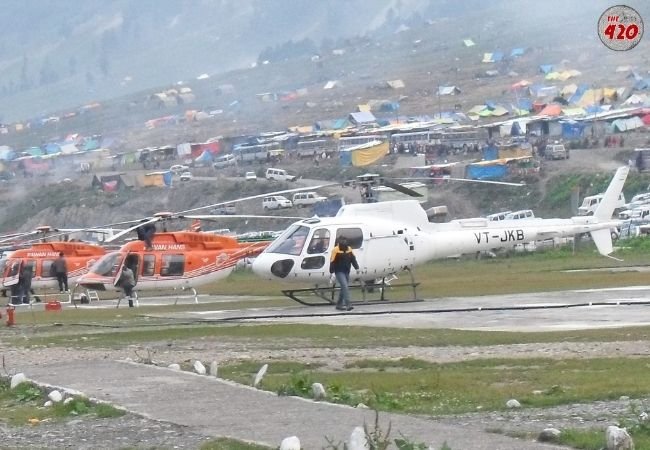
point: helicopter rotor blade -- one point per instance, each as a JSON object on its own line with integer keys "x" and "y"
{"x": 128, "y": 230}
{"x": 218, "y": 217}
{"x": 400, "y": 188}
{"x": 502, "y": 183}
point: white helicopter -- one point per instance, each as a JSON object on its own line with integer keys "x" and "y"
{"x": 394, "y": 236}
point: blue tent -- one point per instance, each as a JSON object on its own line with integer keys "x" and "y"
{"x": 389, "y": 107}
{"x": 577, "y": 95}
{"x": 546, "y": 68}
{"x": 168, "y": 177}
{"x": 490, "y": 104}
{"x": 205, "y": 157}
{"x": 90, "y": 144}
{"x": 497, "y": 56}
{"x": 572, "y": 129}
{"x": 52, "y": 149}
{"x": 593, "y": 109}
{"x": 642, "y": 84}
{"x": 490, "y": 152}
{"x": 525, "y": 103}
{"x": 486, "y": 172}
{"x": 345, "y": 158}
{"x": 517, "y": 52}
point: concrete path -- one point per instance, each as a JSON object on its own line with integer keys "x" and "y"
{"x": 220, "y": 408}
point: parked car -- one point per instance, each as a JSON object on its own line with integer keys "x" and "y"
{"x": 556, "y": 151}
{"x": 301, "y": 199}
{"x": 520, "y": 215}
{"x": 279, "y": 175}
{"x": 496, "y": 217}
{"x": 276, "y": 202}
{"x": 186, "y": 176}
{"x": 250, "y": 176}
{"x": 226, "y": 210}
{"x": 225, "y": 161}
{"x": 179, "y": 168}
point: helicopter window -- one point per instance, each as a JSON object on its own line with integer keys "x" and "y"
{"x": 313, "y": 262}
{"x": 291, "y": 241}
{"x": 107, "y": 265}
{"x": 14, "y": 269}
{"x": 47, "y": 271}
{"x": 172, "y": 265}
{"x": 353, "y": 235}
{"x": 320, "y": 241}
{"x": 149, "y": 265}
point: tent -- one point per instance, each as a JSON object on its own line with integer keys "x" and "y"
{"x": 572, "y": 129}
{"x": 364, "y": 154}
{"x": 646, "y": 120}
{"x": 642, "y": 84}
{"x": 546, "y": 68}
{"x": 332, "y": 84}
{"x": 632, "y": 123}
{"x": 52, "y": 149}
{"x": 499, "y": 111}
{"x": 636, "y": 99}
{"x": 108, "y": 183}
{"x": 538, "y": 90}
{"x": 362, "y": 117}
{"x": 395, "y": 84}
{"x": 492, "y": 57}
{"x": 624, "y": 69}
{"x": 468, "y": 43}
{"x": 6, "y": 153}
{"x": 205, "y": 158}
{"x": 571, "y": 112}
{"x": 551, "y": 109}
{"x": 448, "y": 90}
{"x": 520, "y": 84}
{"x": 569, "y": 90}
{"x": 516, "y": 52}
{"x": 389, "y": 107}
{"x": 487, "y": 170}
{"x": 159, "y": 179}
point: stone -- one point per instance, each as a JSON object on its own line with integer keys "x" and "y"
{"x": 48, "y": 403}
{"x": 618, "y": 439}
{"x": 362, "y": 406}
{"x": 318, "y": 391}
{"x": 67, "y": 400}
{"x": 623, "y": 398}
{"x": 643, "y": 417}
{"x": 290, "y": 443}
{"x": 538, "y": 392}
{"x": 214, "y": 369}
{"x": 199, "y": 367}
{"x": 549, "y": 435}
{"x": 18, "y": 379}
{"x": 260, "y": 374}
{"x": 358, "y": 440}
{"x": 174, "y": 366}
{"x": 512, "y": 403}
{"x": 55, "y": 396}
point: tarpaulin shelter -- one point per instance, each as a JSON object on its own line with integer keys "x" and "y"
{"x": 448, "y": 90}
{"x": 490, "y": 152}
{"x": 7, "y": 153}
{"x": 572, "y": 112}
{"x": 333, "y": 124}
{"x": 572, "y": 129}
{"x": 468, "y": 43}
{"x": 159, "y": 179}
{"x": 539, "y": 91}
{"x": 52, "y": 149}
{"x": 363, "y": 117}
{"x": 389, "y": 107}
{"x": 487, "y": 170}
{"x": 520, "y": 84}
{"x": 631, "y": 123}
{"x": 492, "y": 57}
{"x": 551, "y": 110}
{"x": 546, "y": 68}
{"x": 395, "y": 84}
{"x": 516, "y": 52}
{"x": 34, "y": 165}
{"x": 642, "y": 84}
{"x": 332, "y": 84}
{"x": 637, "y": 99}
{"x": 197, "y": 149}
{"x": 204, "y": 158}
{"x": 108, "y": 183}
{"x": 646, "y": 120}
{"x": 364, "y": 154}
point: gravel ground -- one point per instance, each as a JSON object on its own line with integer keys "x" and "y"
{"x": 137, "y": 432}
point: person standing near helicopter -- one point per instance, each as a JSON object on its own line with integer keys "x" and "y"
{"x": 341, "y": 261}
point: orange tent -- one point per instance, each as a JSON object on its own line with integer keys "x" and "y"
{"x": 551, "y": 110}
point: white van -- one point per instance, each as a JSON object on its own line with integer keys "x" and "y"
{"x": 279, "y": 175}
{"x": 301, "y": 199}
{"x": 520, "y": 215}
{"x": 496, "y": 217}
{"x": 590, "y": 204}
{"x": 225, "y": 161}
{"x": 276, "y": 202}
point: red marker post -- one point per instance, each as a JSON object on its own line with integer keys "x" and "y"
{"x": 620, "y": 28}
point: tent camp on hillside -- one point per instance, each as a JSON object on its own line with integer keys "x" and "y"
{"x": 109, "y": 183}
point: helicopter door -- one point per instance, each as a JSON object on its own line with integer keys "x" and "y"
{"x": 12, "y": 272}
{"x": 132, "y": 261}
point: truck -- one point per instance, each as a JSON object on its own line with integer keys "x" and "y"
{"x": 556, "y": 151}
{"x": 590, "y": 204}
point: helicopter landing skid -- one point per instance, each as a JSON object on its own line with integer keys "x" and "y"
{"x": 310, "y": 296}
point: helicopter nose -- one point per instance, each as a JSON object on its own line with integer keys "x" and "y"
{"x": 268, "y": 267}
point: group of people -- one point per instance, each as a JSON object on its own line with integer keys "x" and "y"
{"x": 22, "y": 290}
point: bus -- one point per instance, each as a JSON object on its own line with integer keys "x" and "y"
{"x": 257, "y": 152}
{"x": 460, "y": 139}
{"x": 352, "y": 141}
{"x": 306, "y": 149}
{"x": 415, "y": 137}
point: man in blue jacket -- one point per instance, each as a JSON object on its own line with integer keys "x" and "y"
{"x": 341, "y": 261}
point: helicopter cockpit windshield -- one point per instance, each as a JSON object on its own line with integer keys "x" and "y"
{"x": 291, "y": 242}
{"x": 108, "y": 264}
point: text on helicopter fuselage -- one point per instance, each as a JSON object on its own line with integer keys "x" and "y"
{"x": 504, "y": 236}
